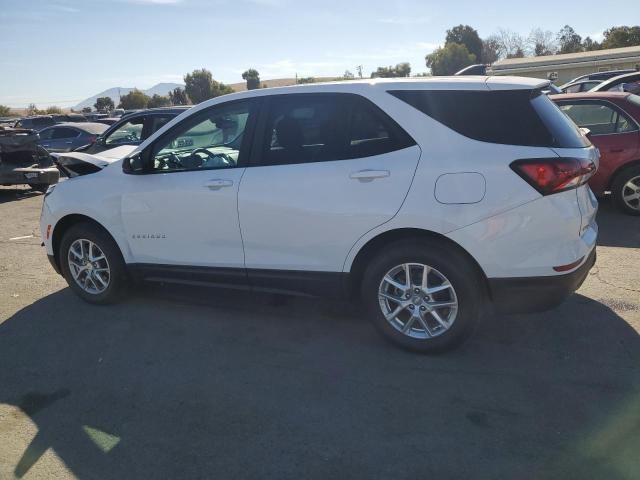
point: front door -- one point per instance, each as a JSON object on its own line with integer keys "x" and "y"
{"x": 327, "y": 169}
{"x": 181, "y": 214}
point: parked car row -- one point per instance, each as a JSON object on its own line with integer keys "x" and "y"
{"x": 611, "y": 81}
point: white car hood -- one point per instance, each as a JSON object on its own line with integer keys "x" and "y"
{"x": 101, "y": 159}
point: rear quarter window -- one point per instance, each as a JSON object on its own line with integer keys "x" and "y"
{"x": 509, "y": 117}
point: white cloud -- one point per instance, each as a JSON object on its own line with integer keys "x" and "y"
{"x": 65, "y": 8}
{"x": 597, "y": 36}
{"x": 417, "y": 20}
{"x": 427, "y": 47}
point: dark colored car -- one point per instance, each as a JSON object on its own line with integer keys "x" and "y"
{"x": 613, "y": 121}
{"x": 629, "y": 82}
{"x": 36, "y": 123}
{"x": 22, "y": 161}
{"x": 133, "y": 129}
{"x": 69, "y": 117}
{"x": 477, "y": 69}
{"x": 66, "y": 137}
{"x": 579, "y": 86}
{"x": 602, "y": 76}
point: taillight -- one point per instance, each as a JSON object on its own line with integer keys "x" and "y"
{"x": 553, "y": 175}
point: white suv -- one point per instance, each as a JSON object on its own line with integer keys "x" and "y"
{"x": 427, "y": 199}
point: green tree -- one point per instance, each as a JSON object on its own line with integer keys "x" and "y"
{"x": 541, "y": 42}
{"x": 568, "y": 40}
{"x": 178, "y": 96}
{"x": 252, "y": 78}
{"x": 467, "y": 36}
{"x": 200, "y": 86}
{"x": 400, "y": 70}
{"x": 4, "y": 111}
{"x": 617, "y": 37}
{"x": 589, "y": 45}
{"x": 133, "y": 100}
{"x": 104, "y": 104}
{"x": 304, "y": 80}
{"x": 86, "y": 110}
{"x": 449, "y": 59}
{"x": 158, "y": 101}
{"x": 54, "y": 110}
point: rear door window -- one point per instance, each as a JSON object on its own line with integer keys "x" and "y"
{"x": 307, "y": 128}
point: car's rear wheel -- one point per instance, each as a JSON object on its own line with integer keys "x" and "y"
{"x": 92, "y": 264}
{"x": 423, "y": 295}
{"x": 626, "y": 190}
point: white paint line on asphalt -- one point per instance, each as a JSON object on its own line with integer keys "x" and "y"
{"x": 21, "y": 238}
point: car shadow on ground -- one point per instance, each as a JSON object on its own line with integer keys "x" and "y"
{"x": 617, "y": 229}
{"x": 236, "y": 385}
{"x": 16, "y": 193}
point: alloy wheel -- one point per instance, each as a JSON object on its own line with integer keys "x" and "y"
{"x": 418, "y": 300}
{"x": 89, "y": 266}
{"x": 631, "y": 193}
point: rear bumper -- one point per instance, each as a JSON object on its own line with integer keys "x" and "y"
{"x": 30, "y": 175}
{"x": 537, "y": 294}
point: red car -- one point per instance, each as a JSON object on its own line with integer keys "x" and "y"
{"x": 613, "y": 120}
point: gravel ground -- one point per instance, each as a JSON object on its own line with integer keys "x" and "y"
{"x": 176, "y": 384}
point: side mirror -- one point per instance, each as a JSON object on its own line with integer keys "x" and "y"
{"x": 133, "y": 165}
{"x": 585, "y": 131}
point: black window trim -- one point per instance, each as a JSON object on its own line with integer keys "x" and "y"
{"x": 256, "y": 159}
{"x": 255, "y": 104}
{"x": 597, "y": 101}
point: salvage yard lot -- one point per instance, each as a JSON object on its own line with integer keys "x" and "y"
{"x": 177, "y": 384}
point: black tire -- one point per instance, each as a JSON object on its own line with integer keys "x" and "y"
{"x": 39, "y": 187}
{"x": 618, "y": 189}
{"x": 458, "y": 269}
{"x": 118, "y": 278}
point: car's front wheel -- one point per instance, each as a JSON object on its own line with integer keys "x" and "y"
{"x": 92, "y": 264}
{"x": 423, "y": 295}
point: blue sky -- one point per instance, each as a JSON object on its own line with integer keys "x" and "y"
{"x": 62, "y": 51}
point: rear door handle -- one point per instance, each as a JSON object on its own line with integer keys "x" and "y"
{"x": 218, "y": 183}
{"x": 369, "y": 175}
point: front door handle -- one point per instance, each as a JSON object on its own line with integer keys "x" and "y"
{"x": 369, "y": 175}
{"x": 218, "y": 183}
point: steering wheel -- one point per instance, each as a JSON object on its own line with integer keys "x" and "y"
{"x": 225, "y": 159}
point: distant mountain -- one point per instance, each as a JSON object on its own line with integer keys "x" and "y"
{"x": 116, "y": 92}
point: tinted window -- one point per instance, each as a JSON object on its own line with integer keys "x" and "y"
{"x": 309, "y": 128}
{"x": 157, "y": 122}
{"x": 211, "y": 139}
{"x": 573, "y": 88}
{"x": 63, "y": 132}
{"x": 599, "y": 118}
{"x": 512, "y": 117}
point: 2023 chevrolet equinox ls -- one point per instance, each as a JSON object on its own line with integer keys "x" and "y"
{"x": 428, "y": 199}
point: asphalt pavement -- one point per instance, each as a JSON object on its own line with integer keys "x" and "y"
{"x": 223, "y": 385}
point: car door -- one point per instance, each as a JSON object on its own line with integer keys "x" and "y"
{"x": 180, "y": 212}
{"x": 326, "y": 169}
{"x": 611, "y": 130}
{"x": 61, "y": 139}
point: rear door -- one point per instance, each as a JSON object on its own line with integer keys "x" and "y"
{"x": 326, "y": 169}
